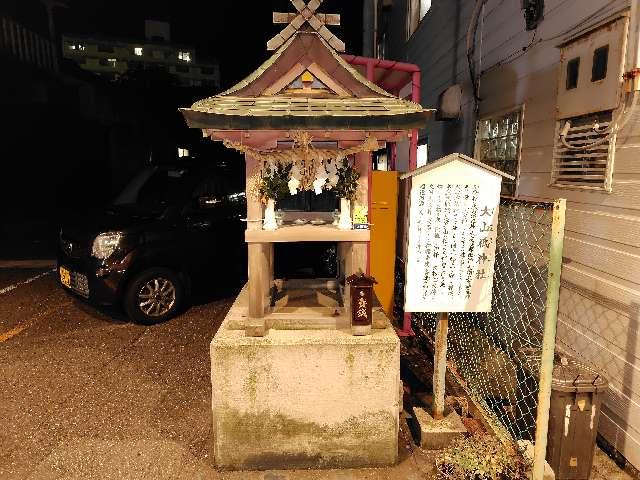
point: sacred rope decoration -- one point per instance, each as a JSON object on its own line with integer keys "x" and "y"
{"x": 312, "y": 168}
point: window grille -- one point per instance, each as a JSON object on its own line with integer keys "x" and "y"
{"x": 498, "y": 145}
{"x": 583, "y": 152}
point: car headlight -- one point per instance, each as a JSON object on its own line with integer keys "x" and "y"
{"x": 106, "y": 244}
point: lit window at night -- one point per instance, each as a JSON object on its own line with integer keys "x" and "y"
{"x": 138, "y": 51}
{"x": 425, "y": 5}
{"x": 184, "y": 56}
{"x": 183, "y": 152}
{"x": 112, "y": 62}
{"x": 423, "y": 156}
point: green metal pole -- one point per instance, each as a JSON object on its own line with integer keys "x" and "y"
{"x": 549, "y": 339}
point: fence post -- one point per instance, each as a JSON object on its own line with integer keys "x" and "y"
{"x": 549, "y": 339}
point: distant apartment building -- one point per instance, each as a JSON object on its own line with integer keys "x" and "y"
{"x": 112, "y": 57}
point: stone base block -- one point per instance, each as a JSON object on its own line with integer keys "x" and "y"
{"x": 438, "y": 434}
{"x": 305, "y": 399}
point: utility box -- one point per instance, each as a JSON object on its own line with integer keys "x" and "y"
{"x": 576, "y": 397}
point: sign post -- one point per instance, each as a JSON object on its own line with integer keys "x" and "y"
{"x": 452, "y": 242}
{"x": 440, "y": 365}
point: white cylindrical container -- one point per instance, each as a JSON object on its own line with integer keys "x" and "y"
{"x": 270, "y": 222}
{"x": 345, "y": 222}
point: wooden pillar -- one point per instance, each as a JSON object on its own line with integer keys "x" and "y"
{"x": 440, "y": 365}
{"x": 260, "y": 281}
{"x": 260, "y": 256}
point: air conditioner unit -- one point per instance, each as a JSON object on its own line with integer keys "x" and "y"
{"x": 590, "y": 93}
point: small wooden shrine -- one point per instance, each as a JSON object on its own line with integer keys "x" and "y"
{"x": 292, "y": 387}
{"x": 307, "y": 106}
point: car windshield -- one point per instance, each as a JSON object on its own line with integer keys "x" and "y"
{"x": 159, "y": 187}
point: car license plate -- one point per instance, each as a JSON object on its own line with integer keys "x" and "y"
{"x": 65, "y": 277}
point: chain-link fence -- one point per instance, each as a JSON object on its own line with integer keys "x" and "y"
{"x": 497, "y": 355}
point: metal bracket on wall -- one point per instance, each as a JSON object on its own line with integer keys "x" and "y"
{"x": 533, "y": 13}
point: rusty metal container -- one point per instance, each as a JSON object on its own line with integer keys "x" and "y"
{"x": 576, "y": 397}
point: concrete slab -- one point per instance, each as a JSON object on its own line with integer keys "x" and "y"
{"x": 438, "y": 434}
{"x": 305, "y": 398}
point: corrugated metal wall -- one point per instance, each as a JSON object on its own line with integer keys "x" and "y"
{"x": 599, "y": 315}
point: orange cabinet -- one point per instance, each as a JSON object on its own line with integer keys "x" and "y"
{"x": 383, "y": 217}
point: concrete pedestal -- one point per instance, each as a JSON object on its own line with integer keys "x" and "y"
{"x": 305, "y": 398}
{"x": 438, "y": 434}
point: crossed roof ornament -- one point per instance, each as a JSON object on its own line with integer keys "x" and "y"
{"x": 306, "y": 14}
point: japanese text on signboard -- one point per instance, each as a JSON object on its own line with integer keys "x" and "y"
{"x": 452, "y": 248}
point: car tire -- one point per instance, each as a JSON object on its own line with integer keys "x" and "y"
{"x": 154, "y": 296}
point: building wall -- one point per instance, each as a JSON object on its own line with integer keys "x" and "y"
{"x": 599, "y": 316}
{"x": 26, "y": 45}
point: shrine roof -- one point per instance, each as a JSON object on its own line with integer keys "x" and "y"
{"x": 306, "y": 84}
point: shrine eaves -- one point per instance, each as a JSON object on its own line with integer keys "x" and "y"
{"x": 306, "y": 14}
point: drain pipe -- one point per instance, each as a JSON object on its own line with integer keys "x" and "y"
{"x": 633, "y": 58}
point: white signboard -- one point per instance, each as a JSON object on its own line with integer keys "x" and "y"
{"x": 452, "y": 237}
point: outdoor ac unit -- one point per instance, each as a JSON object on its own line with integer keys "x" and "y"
{"x": 590, "y": 92}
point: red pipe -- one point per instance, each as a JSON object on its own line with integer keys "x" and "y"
{"x": 382, "y": 63}
{"x": 371, "y": 76}
{"x": 394, "y": 155}
{"x": 407, "y": 331}
{"x": 371, "y": 64}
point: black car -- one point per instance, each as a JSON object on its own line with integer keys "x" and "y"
{"x": 171, "y": 229}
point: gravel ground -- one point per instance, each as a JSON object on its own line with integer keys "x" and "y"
{"x": 85, "y": 394}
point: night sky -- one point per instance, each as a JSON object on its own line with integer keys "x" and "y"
{"x": 234, "y": 31}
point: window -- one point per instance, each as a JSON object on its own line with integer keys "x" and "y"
{"x": 416, "y": 10}
{"x": 498, "y": 145}
{"x": 600, "y": 60}
{"x": 207, "y": 70}
{"x": 138, "y": 51}
{"x": 182, "y": 69}
{"x": 573, "y": 73}
{"x": 184, "y": 56}
{"x": 108, "y": 62}
{"x": 77, "y": 46}
{"x": 425, "y": 6}
{"x": 583, "y": 152}
{"x": 102, "y": 48}
{"x": 158, "y": 54}
{"x": 183, "y": 152}
{"x": 422, "y": 158}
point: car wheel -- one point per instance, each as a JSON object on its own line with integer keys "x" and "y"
{"x": 154, "y": 296}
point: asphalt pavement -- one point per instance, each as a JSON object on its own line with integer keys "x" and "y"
{"x": 85, "y": 394}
